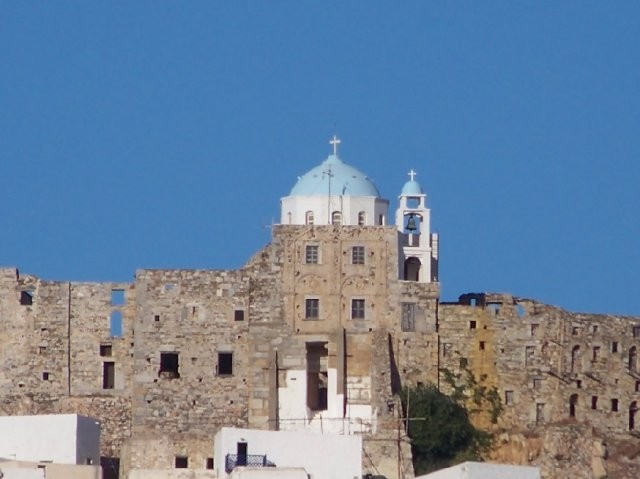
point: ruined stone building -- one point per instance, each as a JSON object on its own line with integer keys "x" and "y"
{"x": 318, "y": 331}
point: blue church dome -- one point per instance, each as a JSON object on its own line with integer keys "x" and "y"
{"x": 411, "y": 188}
{"x": 345, "y": 180}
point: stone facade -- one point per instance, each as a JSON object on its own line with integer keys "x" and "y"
{"x": 315, "y": 332}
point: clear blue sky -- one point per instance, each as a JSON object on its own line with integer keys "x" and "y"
{"x": 157, "y": 134}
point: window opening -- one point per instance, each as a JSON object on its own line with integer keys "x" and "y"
{"x": 614, "y": 346}
{"x": 357, "y": 308}
{"x": 594, "y": 402}
{"x": 357, "y": 255}
{"x": 225, "y": 364}
{"x": 117, "y": 297}
{"x": 633, "y": 408}
{"x": 596, "y": 353}
{"x": 336, "y": 218}
{"x": 408, "y": 316}
{"x": 636, "y": 331}
{"x": 108, "y": 375}
{"x": 412, "y": 269}
{"x": 537, "y": 383}
{"x": 169, "y": 365}
{"x": 241, "y": 453}
{"x": 575, "y": 358}
{"x": 361, "y": 218}
{"x": 529, "y": 353}
{"x": 317, "y": 379}
{"x": 311, "y": 254}
{"x": 181, "y": 462}
{"x": 633, "y": 359}
{"x": 573, "y": 402}
{"x": 115, "y": 324}
{"x": 472, "y": 324}
{"x": 209, "y": 463}
{"x": 308, "y": 217}
{"x": 238, "y": 315}
{"x": 539, "y": 413}
{"x": 614, "y": 405}
{"x": 312, "y": 308}
{"x": 26, "y": 298}
{"x": 106, "y": 350}
{"x": 508, "y": 398}
{"x": 45, "y": 376}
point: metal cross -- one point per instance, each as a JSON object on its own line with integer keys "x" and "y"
{"x": 335, "y": 142}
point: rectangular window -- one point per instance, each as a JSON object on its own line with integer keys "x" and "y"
{"x": 317, "y": 377}
{"x": 614, "y": 405}
{"x": 312, "y": 308}
{"x": 45, "y": 376}
{"x": 636, "y": 331}
{"x": 594, "y": 402}
{"x": 209, "y": 463}
{"x": 169, "y": 365}
{"x": 108, "y": 375}
{"x": 238, "y": 315}
{"x": 614, "y": 346}
{"x": 117, "y": 297}
{"x": 482, "y": 345}
{"x": 357, "y": 309}
{"x": 537, "y": 383}
{"x": 472, "y": 324}
{"x": 408, "y": 316}
{"x": 464, "y": 362}
{"x": 106, "y": 350}
{"x": 508, "y": 398}
{"x": 539, "y": 413}
{"x": 596, "y": 353}
{"x": 357, "y": 255}
{"x": 311, "y": 254}
{"x": 225, "y": 364}
{"x": 181, "y": 462}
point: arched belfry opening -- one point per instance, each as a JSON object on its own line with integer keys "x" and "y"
{"x": 412, "y": 269}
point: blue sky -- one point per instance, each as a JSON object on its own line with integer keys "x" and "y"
{"x": 162, "y": 134}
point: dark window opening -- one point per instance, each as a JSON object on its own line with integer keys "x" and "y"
{"x": 117, "y": 297}
{"x": 105, "y": 350}
{"x": 412, "y": 269}
{"x": 115, "y": 324}
{"x": 357, "y": 255}
{"x": 156, "y": 317}
{"x": 45, "y": 376}
{"x": 614, "y": 405}
{"x": 209, "y": 463}
{"x": 464, "y": 362}
{"x": 481, "y": 345}
{"x": 169, "y": 365}
{"x": 181, "y": 462}
{"x": 472, "y": 325}
{"x": 311, "y": 254}
{"x": 26, "y": 298}
{"x": 312, "y": 309}
{"x": 317, "y": 379}
{"x": 594, "y": 402}
{"x": 573, "y": 402}
{"x": 108, "y": 375}
{"x": 357, "y": 309}
{"x": 633, "y": 408}
{"x": 238, "y": 315}
{"x": 614, "y": 346}
{"x": 225, "y": 364}
{"x": 636, "y": 331}
{"x": 408, "y": 316}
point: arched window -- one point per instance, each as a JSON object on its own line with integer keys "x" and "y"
{"x": 412, "y": 269}
{"x": 575, "y": 358}
{"x": 633, "y": 359}
{"x": 361, "y": 218}
{"x": 308, "y": 218}
{"x": 336, "y": 218}
{"x": 573, "y": 402}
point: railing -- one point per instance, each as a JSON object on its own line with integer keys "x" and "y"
{"x": 249, "y": 460}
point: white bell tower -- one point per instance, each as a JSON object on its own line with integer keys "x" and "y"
{"x": 419, "y": 247}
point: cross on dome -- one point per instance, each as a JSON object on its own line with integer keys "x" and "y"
{"x": 335, "y": 141}
{"x": 412, "y": 174}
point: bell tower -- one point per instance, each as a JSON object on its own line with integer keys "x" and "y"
{"x": 418, "y": 246}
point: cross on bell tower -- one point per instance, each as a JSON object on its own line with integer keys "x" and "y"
{"x": 335, "y": 141}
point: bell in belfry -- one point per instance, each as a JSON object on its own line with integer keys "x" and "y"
{"x": 411, "y": 224}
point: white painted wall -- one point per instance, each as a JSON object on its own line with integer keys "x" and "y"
{"x": 20, "y": 473}
{"x": 294, "y": 415}
{"x": 269, "y": 473}
{"x": 323, "y": 456}
{"x": 57, "y": 438}
{"x": 350, "y": 206}
{"x": 484, "y": 470}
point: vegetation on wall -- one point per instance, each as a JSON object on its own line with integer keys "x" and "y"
{"x": 440, "y": 426}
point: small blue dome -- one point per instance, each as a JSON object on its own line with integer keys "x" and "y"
{"x": 411, "y": 188}
{"x": 345, "y": 180}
